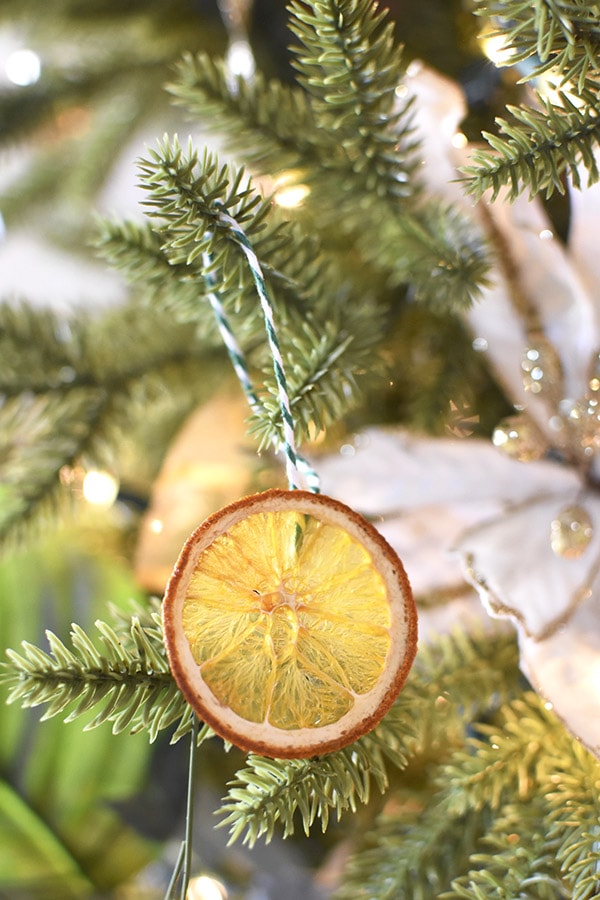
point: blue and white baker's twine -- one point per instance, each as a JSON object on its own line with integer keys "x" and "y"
{"x": 296, "y": 467}
{"x": 234, "y": 350}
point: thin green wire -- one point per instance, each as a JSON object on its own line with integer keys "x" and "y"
{"x": 183, "y": 866}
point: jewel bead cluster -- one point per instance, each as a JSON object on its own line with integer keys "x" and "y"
{"x": 576, "y": 424}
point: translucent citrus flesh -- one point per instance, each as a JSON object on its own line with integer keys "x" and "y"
{"x": 287, "y": 619}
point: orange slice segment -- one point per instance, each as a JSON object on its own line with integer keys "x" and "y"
{"x": 289, "y": 624}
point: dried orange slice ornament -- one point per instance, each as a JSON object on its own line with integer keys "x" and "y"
{"x": 289, "y": 623}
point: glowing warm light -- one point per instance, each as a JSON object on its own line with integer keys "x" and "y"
{"x": 545, "y": 234}
{"x": 459, "y": 140}
{"x": 100, "y": 488}
{"x": 240, "y": 60}
{"x": 553, "y": 89}
{"x": 292, "y": 195}
{"x": 156, "y": 526}
{"x": 289, "y": 191}
{"x": 23, "y": 67}
{"x": 206, "y": 888}
{"x": 495, "y": 49}
{"x": 500, "y": 437}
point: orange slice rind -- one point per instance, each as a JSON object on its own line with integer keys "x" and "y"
{"x": 289, "y": 624}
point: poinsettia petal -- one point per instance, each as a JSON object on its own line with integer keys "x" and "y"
{"x": 565, "y": 670}
{"x": 440, "y": 107}
{"x": 536, "y": 287}
{"x": 583, "y": 241}
{"x": 497, "y": 326}
{"x": 463, "y": 613}
{"x": 387, "y": 470}
{"x": 511, "y": 562}
{"x": 535, "y": 282}
{"x": 423, "y": 493}
{"x": 422, "y": 538}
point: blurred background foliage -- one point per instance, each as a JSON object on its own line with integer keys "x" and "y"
{"x": 61, "y": 832}
{"x": 103, "y": 70}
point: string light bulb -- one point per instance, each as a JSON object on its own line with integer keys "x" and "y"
{"x": 100, "y": 488}
{"x": 495, "y": 48}
{"x": 289, "y": 192}
{"x": 240, "y": 60}
{"x": 23, "y": 67}
{"x": 292, "y": 196}
{"x": 206, "y": 888}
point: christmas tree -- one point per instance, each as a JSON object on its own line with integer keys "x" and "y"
{"x": 353, "y": 277}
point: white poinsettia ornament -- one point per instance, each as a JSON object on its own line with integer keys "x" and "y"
{"x": 539, "y": 562}
{"x": 524, "y": 515}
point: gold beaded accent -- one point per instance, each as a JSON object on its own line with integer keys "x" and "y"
{"x": 542, "y": 371}
{"x": 571, "y": 532}
{"x": 519, "y": 438}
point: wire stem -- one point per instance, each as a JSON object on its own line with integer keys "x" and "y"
{"x": 189, "y": 813}
{"x": 176, "y": 873}
{"x": 183, "y": 865}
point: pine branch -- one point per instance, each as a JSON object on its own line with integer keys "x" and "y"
{"x": 350, "y": 64}
{"x": 322, "y": 367}
{"x": 349, "y": 120}
{"x": 272, "y": 125}
{"x": 349, "y": 139}
{"x": 436, "y": 252}
{"x": 329, "y": 337}
{"x": 574, "y": 801}
{"x": 526, "y": 791}
{"x": 520, "y": 860}
{"x": 70, "y": 397}
{"x": 537, "y": 150}
{"x": 544, "y": 142}
{"x": 271, "y": 793}
{"x": 38, "y": 351}
{"x": 455, "y": 672}
{"x": 531, "y": 758}
{"x": 433, "y": 709}
{"x": 127, "y": 676}
{"x": 560, "y": 36}
{"x": 42, "y": 352}
{"x": 40, "y": 436}
{"x": 509, "y": 760}
{"x": 187, "y": 197}
{"x": 412, "y": 854}
{"x": 136, "y": 249}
